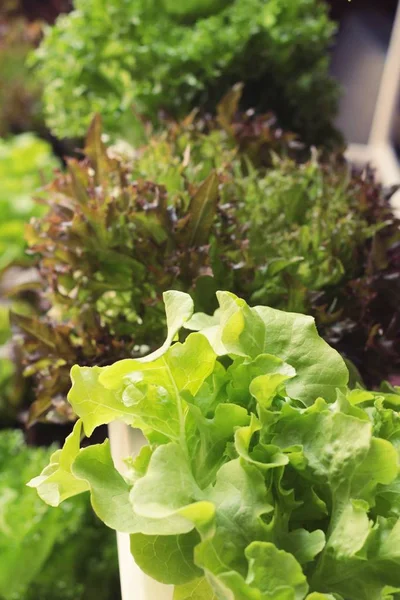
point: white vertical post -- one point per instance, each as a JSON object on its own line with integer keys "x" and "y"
{"x": 380, "y": 140}
{"x": 380, "y": 151}
{"x": 388, "y": 95}
{"x": 135, "y": 585}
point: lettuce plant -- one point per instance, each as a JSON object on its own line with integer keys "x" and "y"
{"x": 45, "y": 553}
{"x": 159, "y": 55}
{"x": 210, "y": 202}
{"x": 264, "y": 476}
{"x": 321, "y": 238}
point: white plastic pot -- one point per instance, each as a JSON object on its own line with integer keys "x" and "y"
{"x": 135, "y": 585}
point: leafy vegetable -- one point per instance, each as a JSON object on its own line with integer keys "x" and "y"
{"x": 269, "y": 478}
{"x": 208, "y": 203}
{"x": 158, "y": 55}
{"x": 45, "y": 553}
{"x": 321, "y": 238}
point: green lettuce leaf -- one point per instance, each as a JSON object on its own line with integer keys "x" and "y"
{"x": 249, "y": 332}
{"x": 362, "y": 567}
{"x": 167, "y": 558}
{"x": 275, "y": 572}
{"x": 57, "y": 482}
{"x": 198, "y": 589}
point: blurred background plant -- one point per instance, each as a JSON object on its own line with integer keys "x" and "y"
{"x": 26, "y": 164}
{"x": 20, "y": 106}
{"x": 47, "y": 553}
{"x": 21, "y": 29}
{"x": 157, "y": 56}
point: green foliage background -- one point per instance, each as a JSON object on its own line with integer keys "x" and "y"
{"x": 107, "y": 56}
{"x": 46, "y": 553}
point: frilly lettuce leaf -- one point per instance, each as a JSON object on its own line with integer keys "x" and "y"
{"x": 179, "y": 308}
{"x": 57, "y": 482}
{"x": 265, "y": 478}
{"x": 239, "y": 330}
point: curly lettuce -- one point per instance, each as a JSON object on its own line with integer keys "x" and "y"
{"x": 264, "y": 476}
{"x": 159, "y": 55}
